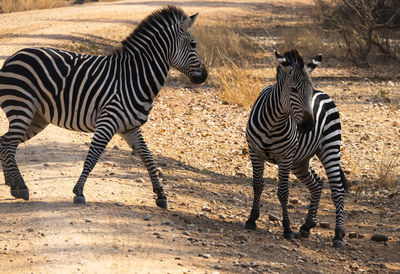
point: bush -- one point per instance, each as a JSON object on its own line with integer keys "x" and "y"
{"x": 365, "y": 28}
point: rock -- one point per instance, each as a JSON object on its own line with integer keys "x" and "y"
{"x": 241, "y": 238}
{"x": 140, "y": 180}
{"x": 206, "y": 208}
{"x": 108, "y": 163}
{"x": 187, "y": 233}
{"x": 325, "y": 225}
{"x": 30, "y": 230}
{"x": 88, "y": 221}
{"x": 146, "y": 217}
{"x": 116, "y": 148}
{"x": 294, "y": 201}
{"x": 205, "y": 255}
{"x": 168, "y": 223}
{"x": 284, "y": 247}
{"x": 273, "y": 218}
{"x": 353, "y": 235}
{"x": 379, "y": 237}
{"x": 118, "y": 204}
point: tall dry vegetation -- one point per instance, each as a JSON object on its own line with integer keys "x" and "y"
{"x": 21, "y": 5}
{"x": 234, "y": 59}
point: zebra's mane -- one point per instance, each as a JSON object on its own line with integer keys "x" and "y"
{"x": 293, "y": 57}
{"x": 165, "y": 17}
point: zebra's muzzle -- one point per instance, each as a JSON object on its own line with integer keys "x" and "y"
{"x": 307, "y": 124}
{"x": 200, "y": 76}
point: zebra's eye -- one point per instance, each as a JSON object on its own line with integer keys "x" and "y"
{"x": 193, "y": 44}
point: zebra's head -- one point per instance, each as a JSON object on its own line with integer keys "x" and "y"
{"x": 185, "y": 56}
{"x": 297, "y": 87}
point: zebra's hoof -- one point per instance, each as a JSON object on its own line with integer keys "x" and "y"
{"x": 338, "y": 243}
{"x": 23, "y": 194}
{"x": 304, "y": 233}
{"x": 288, "y": 235}
{"x": 14, "y": 193}
{"x": 161, "y": 202}
{"x": 79, "y": 200}
{"x": 250, "y": 225}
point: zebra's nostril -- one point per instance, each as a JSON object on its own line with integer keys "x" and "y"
{"x": 199, "y": 77}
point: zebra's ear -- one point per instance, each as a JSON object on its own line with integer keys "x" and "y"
{"x": 314, "y": 63}
{"x": 282, "y": 60}
{"x": 188, "y": 23}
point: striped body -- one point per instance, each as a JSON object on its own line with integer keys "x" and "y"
{"x": 287, "y": 129}
{"x": 101, "y": 94}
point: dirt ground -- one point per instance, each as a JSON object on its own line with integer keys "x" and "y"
{"x": 198, "y": 142}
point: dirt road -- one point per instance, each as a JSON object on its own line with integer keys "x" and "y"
{"x": 199, "y": 144}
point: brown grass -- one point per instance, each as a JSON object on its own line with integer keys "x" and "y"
{"x": 386, "y": 176}
{"x": 21, "y": 5}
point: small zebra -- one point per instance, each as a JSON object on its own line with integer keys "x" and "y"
{"x": 289, "y": 123}
{"x": 100, "y": 94}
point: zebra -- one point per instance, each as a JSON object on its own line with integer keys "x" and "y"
{"x": 104, "y": 95}
{"x": 289, "y": 123}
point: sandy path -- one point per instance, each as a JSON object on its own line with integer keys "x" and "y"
{"x": 198, "y": 142}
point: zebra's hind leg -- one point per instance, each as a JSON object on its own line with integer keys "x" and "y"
{"x": 337, "y": 183}
{"x": 36, "y": 126}
{"x": 258, "y": 186}
{"x": 283, "y": 196}
{"x": 135, "y": 140}
{"x": 314, "y": 184}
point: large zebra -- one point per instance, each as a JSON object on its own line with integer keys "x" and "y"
{"x": 101, "y": 94}
{"x": 288, "y": 124}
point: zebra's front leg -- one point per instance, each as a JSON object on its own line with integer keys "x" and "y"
{"x": 258, "y": 186}
{"x": 135, "y": 140}
{"x": 314, "y": 184}
{"x": 283, "y": 196}
{"x": 101, "y": 137}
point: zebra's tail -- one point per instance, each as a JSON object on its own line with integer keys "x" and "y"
{"x": 346, "y": 184}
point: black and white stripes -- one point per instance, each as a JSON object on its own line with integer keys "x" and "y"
{"x": 289, "y": 123}
{"x": 101, "y": 94}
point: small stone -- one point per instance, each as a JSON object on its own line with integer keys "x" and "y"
{"x": 168, "y": 223}
{"x": 206, "y": 208}
{"x": 140, "y": 180}
{"x": 284, "y": 247}
{"x": 88, "y": 221}
{"x": 294, "y": 201}
{"x": 116, "y": 147}
{"x": 146, "y": 217}
{"x": 118, "y": 204}
{"x": 30, "y": 230}
{"x": 217, "y": 267}
{"x": 205, "y": 255}
{"x": 353, "y": 235}
{"x": 273, "y": 218}
{"x": 157, "y": 233}
{"x": 240, "y": 238}
{"x": 325, "y": 225}
{"x": 379, "y": 237}
{"x": 187, "y": 233}
{"x": 108, "y": 163}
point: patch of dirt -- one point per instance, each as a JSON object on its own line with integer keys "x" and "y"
{"x": 199, "y": 144}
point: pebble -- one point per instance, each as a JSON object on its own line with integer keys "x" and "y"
{"x": 325, "y": 225}
{"x": 187, "y": 233}
{"x": 118, "y": 204}
{"x": 294, "y": 201}
{"x": 30, "y": 230}
{"x": 241, "y": 238}
{"x": 140, "y": 180}
{"x": 379, "y": 237}
{"x": 273, "y": 218}
{"x": 146, "y": 217}
{"x": 168, "y": 223}
{"x": 88, "y": 221}
{"x": 108, "y": 163}
{"x": 353, "y": 235}
{"x": 205, "y": 255}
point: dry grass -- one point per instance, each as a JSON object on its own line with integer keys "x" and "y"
{"x": 21, "y": 5}
{"x": 386, "y": 176}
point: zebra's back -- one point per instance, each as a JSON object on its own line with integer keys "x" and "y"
{"x": 65, "y": 88}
